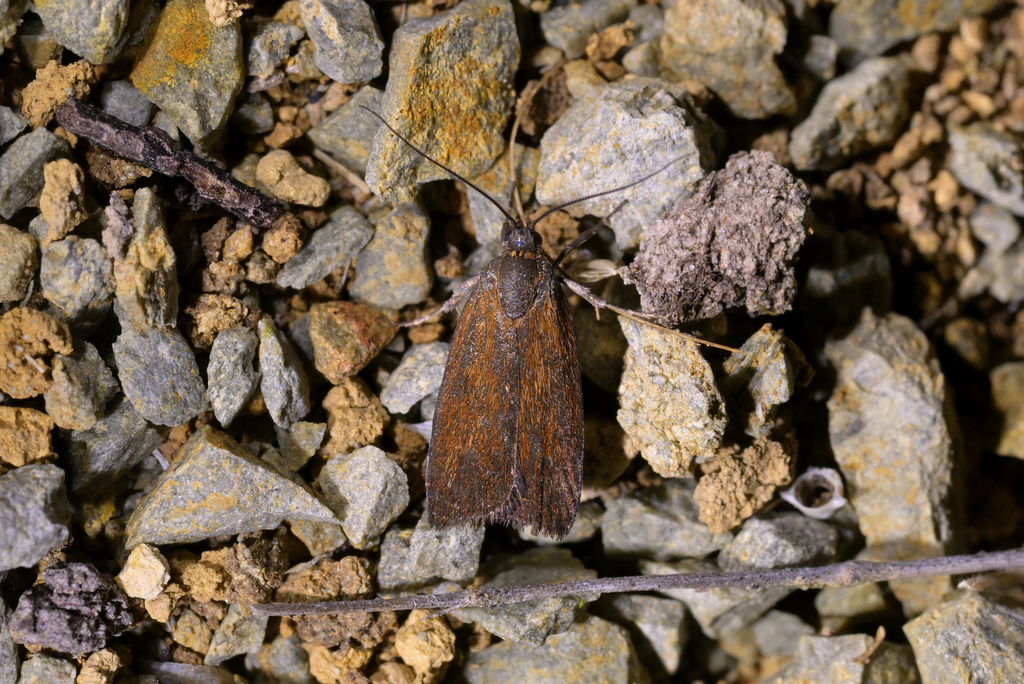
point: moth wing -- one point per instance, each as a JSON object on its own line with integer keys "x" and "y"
{"x": 471, "y": 467}
{"x": 549, "y": 430}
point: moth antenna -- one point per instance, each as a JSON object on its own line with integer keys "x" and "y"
{"x": 439, "y": 164}
{"x": 606, "y": 192}
{"x": 585, "y": 235}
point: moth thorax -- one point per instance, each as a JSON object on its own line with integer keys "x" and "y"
{"x": 516, "y": 237}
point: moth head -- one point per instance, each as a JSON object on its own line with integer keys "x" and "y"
{"x": 519, "y": 237}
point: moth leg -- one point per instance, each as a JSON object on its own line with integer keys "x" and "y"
{"x": 457, "y": 296}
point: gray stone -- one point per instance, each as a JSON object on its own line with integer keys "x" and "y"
{"x": 649, "y": 21}
{"x": 989, "y": 162}
{"x": 413, "y": 559}
{"x": 348, "y": 132}
{"x": 34, "y": 514}
{"x": 670, "y": 405}
{"x": 855, "y": 113}
{"x": 843, "y": 608}
{"x": 8, "y": 649}
{"x": 239, "y": 632}
{"x": 717, "y": 611}
{"x": 331, "y": 246}
{"x": 777, "y": 633}
{"x": 33, "y": 43}
{"x": 618, "y": 134}
{"x": 21, "y": 169}
{"x": 126, "y": 102}
{"x": 146, "y": 273}
{"x": 592, "y": 650}
{"x": 159, "y": 374}
{"x": 657, "y": 626}
{"x": 660, "y": 523}
{"x": 11, "y": 124}
{"x": 821, "y": 56}
{"x": 968, "y": 638}
{"x": 895, "y": 436}
{"x": 254, "y": 116}
{"x": 44, "y": 669}
{"x": 208, "y": 491}
{"x": 269, "y": 46}
{"x": 19, "y": 264}
{"x": 82, "y": 386}
{"x": 319, "y": 538}
{"x": 418, "y": 375}
{"x": 285, "y": 660}
{"x": 763, "y": 377}
{"x": 497, "y": 183}
{"x": 232, "y": 378}
{"x": 193, "y": 82}
{"x": 531, "y": 622}
{"x": 284, "y": 383}
{"x": 730, "y": 46}
{"x": 1007, "y": 381}
{"x": 367, "y": 490}
{"x": 779, "y": 541}
{"x": 96, "y": 31}
{"x": 994, "y": 226}
{"x": 836, "y": 659}
{"x": 1002, "y": 275}
{"x": 346, "y": 38}
{"x": 867, "y": 27}
{"x": 568, "y": 26}
{"x": 589, "y": 517}
{"x": 428, "y": 65}
{"x": 393, "y": 269}
{"x": 299, "y": 442}
{"x": 100, "y": 455}
{"x": 77, "y": 277}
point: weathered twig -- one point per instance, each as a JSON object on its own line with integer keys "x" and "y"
{"x": 156, "y": 150}
{"x": 847, "y": 574}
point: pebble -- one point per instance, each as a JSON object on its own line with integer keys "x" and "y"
{"x": 891, "y": 430}
{"x": 413, "y": 559}
{"x": 19, "y": 263}
{"x": 319, "y": 538}
{"x": 284, "y": 659}
{"x": 330, "y": 247}
{"x": 77, "y": 277}
{"x": 999, "y": 274}
{"x": 779, "y": 541}
{"x": 146, "y": 274}
{"x": 116, "y": 443}
{"x": 239, "y": 632}
{"x": 670, "y": 405}
{"x": 531, "y": 622}
{"x": 126, "y": 102}
{"x": 299, "y": 442}
{"x": 200, "y": 496}
{"x": 21, "y": 169}
{"x": 269, "y": 45}
{"x": 367, "y": 490}
{"x": 660, "y": 523}
{"x": 649, "y": 21}
{"x": 618, "y": 134}
{"x": 427, "y": 644}
{"x": 568, "y": 27}
{"x": 254, "y": 116}
{"x": 844, "y": 608}
{"x": 778, "y": 632}
{"x": 34, "y": 514}
{"x": 191, "y": 631}
{"x": 591, "y": 650}
{"x": 145, "y": 574}
{"x": 281, "y": 174}
{"x": 837, "y": 660}
{"x": 657, "y": 627}
{"x": 1008, "y": 399}
{"x": 159, "y": 374}
{"x": 821, "y": 57}
{"x": 231, "y": 375}
{"x": 284, "y": 384}
{"x": 348, "y": 132}
{"x": 855, "y": 113}
{"x": 347, "y": 40}
{"x": 393, "y": 269}
{"x": 11, "y": 124}
{"x": 994, "y": 226}
{"x": 191, "y": 69}
{"x": 355, "y": 417}
{"x": 467, "y": 133}
{"x": 35, "y": 45}
{"x": 417, "y": 376}
{"x": 730, "y": 47}
{"x": 589, "y": 517}
{"x": 497, "y": 183}
{"x": 97, "y": 32}
{"x": 987, "y": 161}
{"x": 82, "y": 386}
{"x": 8, "y": 649}
{"x": 25, "y": 437}
{"x": 44, "y": 669}
{"x": 968, "y": 638}
{"x": 74, "y": 609}
{"x": 346, "y": 336}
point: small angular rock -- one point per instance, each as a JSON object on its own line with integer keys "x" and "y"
{"x": 568, "y": 27}
{"x": 82, "y": 386}
{"x": 24, "y": 437}
{"x": 836, "y": 659}
{"x": 239, "y": 632}
{"x": 21, "y": 169}
{"x": 269, "y": 46}
{"x": 777, "y": 633}
{"x": 284, "y": 384}
{"x": 299, "y": 442}
{"x": 987, "y": 161}
{"x": 11, "y": 124}
{"x": 779, "y": 541}
{"x": 230, "y": 371}
{"x": 44, "y": 669}
{"x": 367, "y": 490}
{"x": 126, "y": 102}
{"x": 77, "y": 277}
{"x": 392, "y": 270}
{"x": 19, "y": 263}
{"x": 657, "y": 627}
{"x": 348, "y": 132}
{"x": 94, "y": 31}
{"x": 346, "y": 336}
{"x": 145, "y": 574}
{"x": 414, "y": 559}
{"x": 34, "y": 514}
{"x": 346, "y": 38}
{"x": 330, "y": 247}
{"x": 417, "y": 376}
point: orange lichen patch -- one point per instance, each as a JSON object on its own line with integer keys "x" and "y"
{"x": 25, "y": 437}
{"x": 53, "y": 85}
{"x": 28, "y": 340}
{"x": 182, "y": 33}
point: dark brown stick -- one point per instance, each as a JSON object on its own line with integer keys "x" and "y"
{"x": 154, "y": 149}
{"x": 846, "y": 574}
